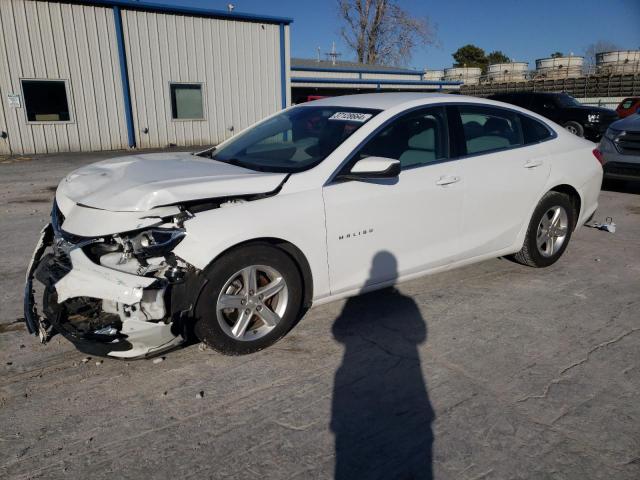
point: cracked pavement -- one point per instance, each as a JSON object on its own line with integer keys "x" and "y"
{"x": 493, "y": 371}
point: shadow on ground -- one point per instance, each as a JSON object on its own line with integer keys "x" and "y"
{"x": 381, "y": 413}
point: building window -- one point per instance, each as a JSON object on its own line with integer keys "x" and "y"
{"x": 46, "y": 100}
{"x": 186, "y": 101}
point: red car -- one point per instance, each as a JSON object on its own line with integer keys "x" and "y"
{"x": 628, "y": 106}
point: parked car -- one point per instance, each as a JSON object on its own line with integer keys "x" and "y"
{"x": 620, "y": 149}
{"x": 315, "y": 203}
{"x": 628, "y": 106}
{"x": 581, "y": 120}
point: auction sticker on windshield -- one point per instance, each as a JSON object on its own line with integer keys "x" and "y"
{"x": 351, "y": 116}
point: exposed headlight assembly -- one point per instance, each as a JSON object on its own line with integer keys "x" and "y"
{"x": 593, "y": 117}
{"x": 155, "y": 242}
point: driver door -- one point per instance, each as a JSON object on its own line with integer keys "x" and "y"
{"x": 381, "y": 229}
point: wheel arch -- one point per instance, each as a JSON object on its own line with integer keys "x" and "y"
{"x": 573, "y": 194}
{"x": 292, "y": 251}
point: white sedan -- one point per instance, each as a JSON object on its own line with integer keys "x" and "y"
{"x": 318, "y": 202}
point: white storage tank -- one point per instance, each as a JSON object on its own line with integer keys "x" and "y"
{"x": 507, "y": 72}
{"x": 559, "y": 67}
{"x": 622, "y": 61}
{"x": 467, "y": 75}
{"x": 433, "y": 74}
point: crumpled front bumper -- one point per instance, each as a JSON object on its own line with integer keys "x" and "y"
{"x": 73, "y": 276}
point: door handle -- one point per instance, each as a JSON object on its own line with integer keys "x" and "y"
{"x": 533, "y": 163}
{"x": 447, "y": 180}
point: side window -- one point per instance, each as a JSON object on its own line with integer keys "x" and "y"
{"x": 46, "y": 100}
{"x": 542, "y": 103}
{"x": 186, "y": 101}
{"x": 488, "y": 128}
{"x": 533, "y": 131}
{"x": 418, "y": 138}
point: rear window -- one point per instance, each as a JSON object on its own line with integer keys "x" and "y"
{"x": 533, "y": 131}
{"x": 628, "y": 103}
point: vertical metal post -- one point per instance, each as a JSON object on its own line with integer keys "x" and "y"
{"x": 124, "y": 74}
{"x": 283, "y": 67}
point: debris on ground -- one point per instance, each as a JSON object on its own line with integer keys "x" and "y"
{"x": 200, "y": 394}
{"x": 158, "y": 360}
{"x": 99, "y": 362}
{"x": 607, "y": 226}
{"x": 86, "y": 359}
{"x": 202, "y": 347}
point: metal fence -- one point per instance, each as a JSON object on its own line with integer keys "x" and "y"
{"x": 587, "y": 86}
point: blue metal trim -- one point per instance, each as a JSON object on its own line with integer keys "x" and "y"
{"x": 349, "y": 81}
{"x": 124, "y": 74}
{"x": 186, "y": 10}
{"x": 283, "y": 67}
{"x": 355, "y": 70}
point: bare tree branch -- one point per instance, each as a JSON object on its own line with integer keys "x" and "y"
{"x": 381, "y": 32}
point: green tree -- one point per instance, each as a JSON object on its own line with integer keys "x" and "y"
{"x": 497, "y": 56}
{"x": 470, "y": 56}
{"x": 557, "y": 55}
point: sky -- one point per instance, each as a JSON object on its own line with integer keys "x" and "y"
{"x": 523, "y": 29}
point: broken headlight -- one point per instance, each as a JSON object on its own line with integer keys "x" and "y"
{"x": 155, "y": 242}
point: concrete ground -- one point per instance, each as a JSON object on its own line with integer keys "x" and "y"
{"x": 494, "y": 371}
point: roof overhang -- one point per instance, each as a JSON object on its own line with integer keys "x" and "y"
{"x": 184, "y": 10}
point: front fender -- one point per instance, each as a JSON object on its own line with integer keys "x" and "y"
{"x": 297, "y": 218}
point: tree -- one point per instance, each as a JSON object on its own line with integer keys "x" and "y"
{"x": 381, "y": 32}
{"x": 557, "y": 55}
{"x": 470, "y": 56}
{"x": 497, "y": 56}
{"x": 590, "y": 51}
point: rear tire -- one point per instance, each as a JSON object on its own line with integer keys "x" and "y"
{"x": 549, "y": 231}
{"x": 575, "y": 128}
{"x": 251, "y": 300}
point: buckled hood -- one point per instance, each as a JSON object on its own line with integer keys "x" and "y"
{"x": 139, "y": 183}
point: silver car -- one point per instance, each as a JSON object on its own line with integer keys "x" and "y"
{"x": 620, "y": 149}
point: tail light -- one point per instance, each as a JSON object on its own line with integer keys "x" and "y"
{"x": 598, "y": 154}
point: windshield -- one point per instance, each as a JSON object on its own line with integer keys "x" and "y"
{"x": 567, "y": 101}
{"x": 292, "y": 141}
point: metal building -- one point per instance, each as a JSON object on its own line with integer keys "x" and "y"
{"x": 108, "y": 74}
{"x": 311, "y": 78}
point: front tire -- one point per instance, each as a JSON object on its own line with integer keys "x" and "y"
{"x": 252, "y": 299}
{"x": 549, "y": 231}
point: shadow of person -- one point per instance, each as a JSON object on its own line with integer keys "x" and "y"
{"x": 381, "y": 414}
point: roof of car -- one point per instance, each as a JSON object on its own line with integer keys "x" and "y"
{"x": 384, "y": 101}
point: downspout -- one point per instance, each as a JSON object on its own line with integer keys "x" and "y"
{"x": 124, "y": 74}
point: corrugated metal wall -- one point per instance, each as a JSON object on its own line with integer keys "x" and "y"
{"x": 238, "y": 64}
{"x": 76, "y": 43}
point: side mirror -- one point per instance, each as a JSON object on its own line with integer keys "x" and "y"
{"x": 372, "y": 168}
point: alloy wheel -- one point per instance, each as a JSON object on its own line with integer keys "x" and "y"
{"x": 552, "y": 231}
{"x": 252, "y": 302}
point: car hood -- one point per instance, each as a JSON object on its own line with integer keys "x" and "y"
{"x": 138, "y": 183}
{"x": 632, "y": 122}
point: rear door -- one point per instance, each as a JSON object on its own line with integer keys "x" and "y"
{"x": 505, "y": 169}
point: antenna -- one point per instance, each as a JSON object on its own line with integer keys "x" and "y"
{"x": 333, "y": 54}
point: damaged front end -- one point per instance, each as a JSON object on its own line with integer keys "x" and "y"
{"x": 123, "y": 295}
